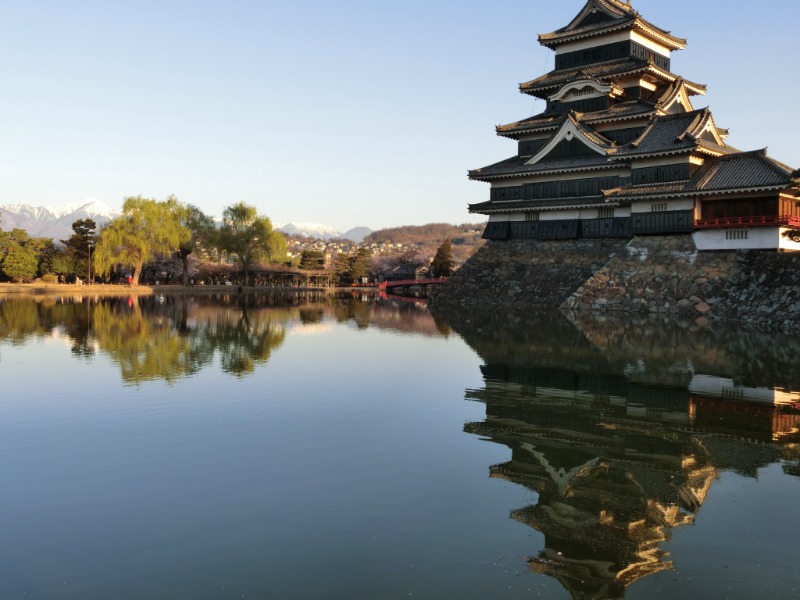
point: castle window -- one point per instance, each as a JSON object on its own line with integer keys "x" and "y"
{"x": 736, "y": 234}
{"x": 532, "y": 215}
{"x": 661, "y": 207}
{"x": 605, "y": 213}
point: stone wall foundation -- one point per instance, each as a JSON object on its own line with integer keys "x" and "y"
{"x": 654, "y": 274}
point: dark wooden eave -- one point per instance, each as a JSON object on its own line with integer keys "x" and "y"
{"x": 516, "y": 166}
{"x": 607, "y": 71}
{"x": 673, "y": 134}
{"x": 633, "y": 22}
{"x": 736, "y": 173}
{"x": 494, "y": 207}
{"x": 547, "y": 121}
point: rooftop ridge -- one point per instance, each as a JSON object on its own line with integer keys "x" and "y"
{"x": 635, "y": 21}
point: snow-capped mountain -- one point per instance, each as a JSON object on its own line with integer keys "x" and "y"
{"x": 322, "y": 232}
{"x": 56, "y": 222}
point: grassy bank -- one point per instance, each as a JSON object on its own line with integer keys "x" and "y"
{"x": 57, "y": 289}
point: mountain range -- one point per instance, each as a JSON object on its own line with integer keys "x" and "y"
{"x": 56, "y": 223}
{"x": 323, "y": 232}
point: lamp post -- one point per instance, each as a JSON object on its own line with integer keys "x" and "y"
{"x": 90, "y": 243}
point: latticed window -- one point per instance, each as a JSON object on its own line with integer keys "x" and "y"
{"x": 736, "y": 234}
{"x": 532, "y": 215}
{"x": 661, "y": 207}
{"x": 606, "y": 213}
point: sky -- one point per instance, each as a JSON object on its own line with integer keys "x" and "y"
{"x": 349, "y": 113}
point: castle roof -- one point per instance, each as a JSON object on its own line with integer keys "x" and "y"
{"x": 570, "y": 130}
{"x": 676, "y": 92}
{"x": 676, "y": 134}
{"x": 605, "y": 71}
{"x": 737, "y": 172}
{"x": 517, "y": 165}
{"x": 510, "y": 206}
{"x": 636, "y": 95}
{"x": 552, "y": 120}
{"x": 599, "y": 17}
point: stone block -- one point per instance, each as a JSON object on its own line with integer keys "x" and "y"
{"x": 702, "y": 308}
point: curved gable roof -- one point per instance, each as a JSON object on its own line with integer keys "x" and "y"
{"x": 613, "y": 9}
{"x": 616, "y": 16}
{"x": 573, "y": 129}
{"x": 742, "y": 170}
{"x": 674, "y": 134}
{"x": 604, "y": 72}
{"x": 736, "y": 172}
{"x": 634, "y": 109}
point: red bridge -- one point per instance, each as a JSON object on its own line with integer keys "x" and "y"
{"x": 424, "y": 284}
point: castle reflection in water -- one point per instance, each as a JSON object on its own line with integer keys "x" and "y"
{"x": 622, "y": 427}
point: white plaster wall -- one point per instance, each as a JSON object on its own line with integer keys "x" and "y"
{"x": 559, "y": 215}
{"x": 660, "y": 161}
{"x": 719, "y": 387}
{"x": 620, "y": 36}
{"x": 506, "y": 217}
{"x": 758, "y": 238}
{"x": 648, "y": 43}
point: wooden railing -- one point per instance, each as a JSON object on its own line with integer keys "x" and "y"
{"x": 767, "y": 221}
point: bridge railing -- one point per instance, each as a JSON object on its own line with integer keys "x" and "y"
{"x": 404, "y": 282}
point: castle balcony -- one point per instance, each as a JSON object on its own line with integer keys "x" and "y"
{"x": 762, "y": 221}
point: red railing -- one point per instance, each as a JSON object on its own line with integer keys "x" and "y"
{"x": 770, "y": 221}
{"x": 384, "y": 284}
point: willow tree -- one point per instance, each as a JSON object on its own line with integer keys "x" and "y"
{"x": 147, "y": 228}
{"x": 250, "y": 237}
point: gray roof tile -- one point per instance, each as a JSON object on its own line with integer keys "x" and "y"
{"x": 600, "y": 71}
{"x": 540, "y": 204}
{"x": 516, "y": 166}
{"x": 603, "y": 72}
{"x": 672, "y": 134}
{"x": 741, "y": 170}
{"x": 737, "y": 171}
{"x": 550, "y": 120}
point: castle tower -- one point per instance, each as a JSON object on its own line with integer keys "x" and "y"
{"x": 620, "y": 150}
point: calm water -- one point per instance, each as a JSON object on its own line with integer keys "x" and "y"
{"x": 305, "y": 447}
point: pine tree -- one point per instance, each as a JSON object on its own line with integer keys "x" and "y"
{"x": 442, "y": 265}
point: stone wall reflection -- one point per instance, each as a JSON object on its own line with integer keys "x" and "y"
{"x": 622, "y": 426}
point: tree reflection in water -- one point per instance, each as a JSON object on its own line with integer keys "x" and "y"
{"x": 621, "y": 427}
{"x": 171, "y": 337}
{"x": 151, "y": 338}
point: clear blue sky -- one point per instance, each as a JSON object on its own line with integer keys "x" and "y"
{"x": 344, "y": 113}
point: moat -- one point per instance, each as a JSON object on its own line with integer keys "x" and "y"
{"x": 302, "y": 446}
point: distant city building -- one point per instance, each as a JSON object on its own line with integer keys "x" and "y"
{"x": 621, "y": 151}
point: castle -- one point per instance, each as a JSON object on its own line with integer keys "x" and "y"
{"x": 620, "y": 150}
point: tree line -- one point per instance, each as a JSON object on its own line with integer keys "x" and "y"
{"x": 146, "y": 229}
{"x": 150, "y": 230}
